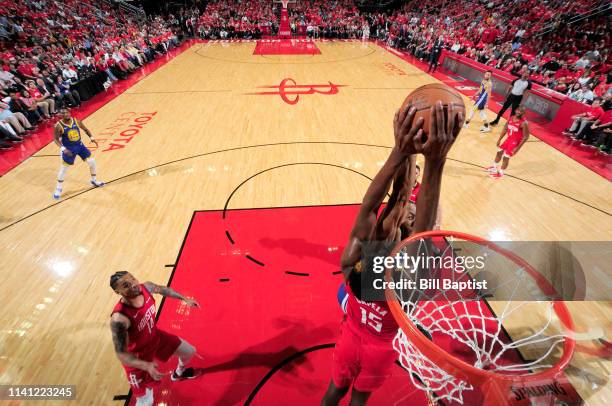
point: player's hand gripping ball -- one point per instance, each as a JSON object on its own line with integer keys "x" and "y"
{"x": 426, "y": 96}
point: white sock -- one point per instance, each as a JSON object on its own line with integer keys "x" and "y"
{"x": 184, "y": 352}
{"x": 483, "y": 116}
{"x": 495, "y": 165}
{"x": 180, "y": 368}
{"x": 92, "y": 168}
{"x": 60, "y": 178}
{"x": 469, "y": 117}
{"x": 146, "y": 399}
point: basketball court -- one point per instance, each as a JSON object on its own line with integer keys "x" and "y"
{"x": 233, "y": 175}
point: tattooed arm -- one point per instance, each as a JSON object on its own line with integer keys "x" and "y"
{"x": 444, "y": 129}
{"x": 169, "y": 292}
{"x": 119, "y": 325}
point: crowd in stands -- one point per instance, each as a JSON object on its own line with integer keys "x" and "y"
{"x": 514, "y": 36}
{"x": 48, "y": 46}
{"x": 593, "y": 127}
{"x": 496, "y": 34}
{"x": 573, "y": 60}
{"x": 234, "y": 19}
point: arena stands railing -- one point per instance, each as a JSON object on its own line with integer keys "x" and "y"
{"x": 602, "y": 9}
{"x": 137, "y": 12}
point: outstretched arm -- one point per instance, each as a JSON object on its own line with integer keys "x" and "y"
{"x": 169, "y": 292}
{"x": 429, "y": 196}
{"x": 388, "y": 222}
{"x": 442, "y": 135}
{"x": 402, "y": 184}
{"x": 404, "y": 132}
{"x": 366, "y": 218}
{"x": 375, "y": 195}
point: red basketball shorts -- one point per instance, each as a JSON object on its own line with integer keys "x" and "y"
{"x": 361, "y": 360}
{"x": 509, "y": 147}
{"x": 140, "y": 380}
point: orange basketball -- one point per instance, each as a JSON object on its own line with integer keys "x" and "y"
{"x": 426, "y": 96}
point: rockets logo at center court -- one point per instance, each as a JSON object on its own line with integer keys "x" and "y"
{"x": 290, "y": 91}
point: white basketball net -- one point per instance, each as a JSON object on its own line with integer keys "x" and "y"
{"x": 473, "y": 324}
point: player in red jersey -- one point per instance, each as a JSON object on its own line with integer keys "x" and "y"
{"x": 363, "y": 354}
{"x": 137, "y": 339}
{"x": 516, "y": 132}
{"x": 414, "y": 195}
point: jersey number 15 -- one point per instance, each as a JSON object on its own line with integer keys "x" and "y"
{"x": 371, "y": 319}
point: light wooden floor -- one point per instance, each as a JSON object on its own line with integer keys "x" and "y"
{"x": 208, "y": 136}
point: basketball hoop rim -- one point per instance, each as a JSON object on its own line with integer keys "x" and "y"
{"x": 455, "y": 366}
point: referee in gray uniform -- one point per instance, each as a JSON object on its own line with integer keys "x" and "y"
{"x": 515, "y": 96}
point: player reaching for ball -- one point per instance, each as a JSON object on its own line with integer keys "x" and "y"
{"x": 407, "y": 174}
{"x": 137, "y": 339}
{"x": 363, "y": 354}
{"x": 516, "y": 132}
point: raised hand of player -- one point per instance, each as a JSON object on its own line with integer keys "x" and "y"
{"x": 443, "y": 131}
{"x": 154, "y": 372}
{"x": 406, "y": 130}
{"x": 191, "y": 302}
